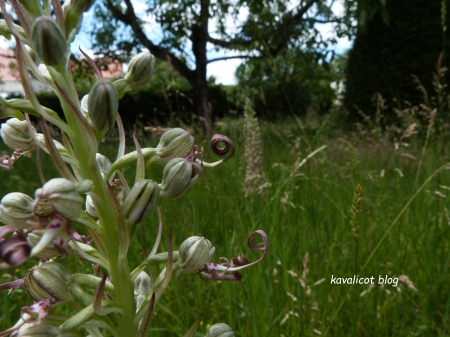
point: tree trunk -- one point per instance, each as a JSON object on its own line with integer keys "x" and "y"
{"x": 201, "y": 99}
{"x": 199, "y": 41}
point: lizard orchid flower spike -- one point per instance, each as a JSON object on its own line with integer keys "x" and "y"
{"x": 218, "y": 271}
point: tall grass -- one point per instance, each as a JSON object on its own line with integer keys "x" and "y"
{"x": 314, "y": 233}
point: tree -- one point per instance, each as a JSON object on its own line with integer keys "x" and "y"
{"x": 404, "y": 39}
{"x": 270, "y": 27}
{"x": 290, "y": 83}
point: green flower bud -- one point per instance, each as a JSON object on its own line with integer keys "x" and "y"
{"x": 103, "y": 104}
{"x": 174, "y": 143}
{"x": 16, "y": 209}
{"x": 179, "y": 176}
{"x": 140, "y": 70}
{"x": 33, "y": 7}
{"x": 81, "y": 6}
{"x": 48, "y": 281}
{"x": 141, "y": 201}
{"x": 194, "y": 252}
{"x": 84, "y": 186}
{"x": 48, "y": 41}
{"x": 15, "y": 134}
{"x": 37, "y": 330}
{"x": 58, "y": 196}
{"x": 48, "y": 252}
{"x": 220, "y": 330}
{"x": 72, "y": 20}
{"x": 90, "y": 208}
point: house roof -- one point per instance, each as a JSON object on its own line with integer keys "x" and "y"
{"x": 8, "y": 68}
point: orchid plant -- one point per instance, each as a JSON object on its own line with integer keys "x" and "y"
{"x": 120, "y": 296}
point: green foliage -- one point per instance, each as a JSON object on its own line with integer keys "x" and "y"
{"x": 291, "y": 83}
{"x": 168, "y": 97}
{"x": 307, "y": 211}
{"x": 387, "y": 53}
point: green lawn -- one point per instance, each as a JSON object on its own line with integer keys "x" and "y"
{"x": 306, "y": 212}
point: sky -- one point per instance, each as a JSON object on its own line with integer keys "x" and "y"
{"x": 223, "y": 71}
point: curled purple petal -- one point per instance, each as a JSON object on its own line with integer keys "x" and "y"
{"x": 15, "y": 250}
{"x": 222, "y": 151}
{"x": 214, "y": 271}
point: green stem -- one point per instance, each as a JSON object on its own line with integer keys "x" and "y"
{"x": 119, "y": 265}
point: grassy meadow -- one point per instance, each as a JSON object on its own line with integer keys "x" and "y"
{"x": 319, "y": 223}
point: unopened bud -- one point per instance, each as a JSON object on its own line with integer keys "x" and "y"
{"x": 37, "y": 330}
{"x": 142, "y": 284}
{"x": 48, "y": 281}
{"x": 179, "y": 176}
{"x": 103, "y": 163}
{"x": 220, "y": 330}
{"x": 103, "y": 104}
{"x": 84, "y": 186}
{"x": 15, "y": 134}
{"x": 84, "y": 105}
{"x": 45, "y": 73}
{"x": 194, "y": 252}
{"x": 174, "y": 143}
{"x": 48, "y": 41}
{"x": 81, "y": 6}
{"x": 16, "y": 209}
{"x": 48, "y": 252}
{"x": 140, "y": 70}
{"x": 90, "y": 208}
{"x": 58, "y": 196}
{"x": 141, "y": 201}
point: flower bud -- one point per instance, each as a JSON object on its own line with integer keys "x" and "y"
{"x": 84, "y": 105}
{"x": 45, "y": 73}
{"x": 220, "y": 330}
{"x": 37, "y": 330}
{"x": 84, "y": 186}
{"x": 141, "y": 201}
{"x": 103, "y": 163}
{"x": 103, "y": 104}
{"x": 142, "y": 284}
{"x": 48, "y": 281}
{"x": 16, "y": 209}
{"x": 48, "y": 252}
{"x": 81, "y": 6}
{"x": 174, "y": 143}
{"x": 179, "y": 176}
{"x": 58, "y": 196}
{"x": 33, "y": 7}
{"x": 48, "y": 41}
{"x": 140, "y": 70}
{"x": 90, "y": 208}
{"x": 194, "y": 253}
{"x": 15, "y": 134}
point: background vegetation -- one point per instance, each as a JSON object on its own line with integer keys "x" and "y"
{"x": 397, "y": 225}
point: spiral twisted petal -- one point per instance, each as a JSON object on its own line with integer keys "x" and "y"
{"x": 222, "y": 151}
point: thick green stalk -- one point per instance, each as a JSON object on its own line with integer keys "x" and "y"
{"x": 119, "y": 265}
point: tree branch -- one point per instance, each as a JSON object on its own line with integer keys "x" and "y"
{"x": 230, "y": 57}
{"x": 229, "y": 44}
{"x": 129, "y": 18}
